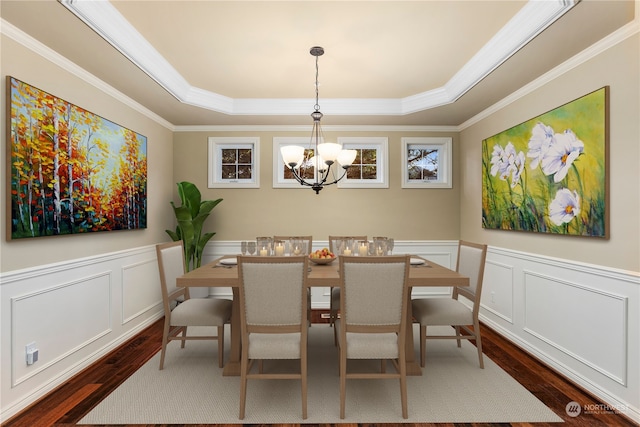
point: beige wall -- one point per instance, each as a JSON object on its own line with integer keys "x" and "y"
{"x": 21, "y": 63}
{"x": 619, "y": 69}
{"x": 407, "y": 214}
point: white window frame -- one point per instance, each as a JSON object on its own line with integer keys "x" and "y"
{"x": 216, "y": 145}
{"x": 381, "y": 145}
{"x": 444, "y": 146}
{"x": 279, "y": 181}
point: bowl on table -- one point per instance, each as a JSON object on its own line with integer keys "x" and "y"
{"x": 322, "y": 261}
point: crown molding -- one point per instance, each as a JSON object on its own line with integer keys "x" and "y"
{"x": 613, "y": 39}
{"x": 592, "y": 51}
{"x": 54, "y": 57}
{"x": 306, "y": 128}
{"x": 105, "y": 20}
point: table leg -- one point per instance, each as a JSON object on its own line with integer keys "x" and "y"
{"x": 232, "y": 367}
{"x": 413, "y": 367}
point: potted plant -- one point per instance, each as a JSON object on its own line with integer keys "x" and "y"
{"x": 191, "y": 217}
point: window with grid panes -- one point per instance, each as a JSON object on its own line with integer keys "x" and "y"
{"x": 233, "y": 162}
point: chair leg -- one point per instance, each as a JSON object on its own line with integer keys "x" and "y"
{"x": 403, "y": 387}
{"x": 184, "y": 335}
{"x": 220, "y": 346}
{"x": 332, "y": 309}
{"x": 458, "y": 335}
{"x": 333, "y": 315}
{"x": 309, "y": 306}
{"x": 423, "y": 345}
{"x": 165, "y": 341}
{"x": 343, "y": 382}
{"x": 243, "y": 384}
{"x": 476, "y": 328}
{"x": 303, "y": 380}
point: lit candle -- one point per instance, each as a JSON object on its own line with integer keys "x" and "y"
{"x": 296, "y": 250}
{"x": 279, "y": 250}
{"x": 379, "y": 250}
{"x": 263, "y": 251}
{"x": 346, "y": 252}
{"x": 362, "y": 249}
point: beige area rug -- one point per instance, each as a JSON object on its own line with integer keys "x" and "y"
{"x": 192, "y": 390}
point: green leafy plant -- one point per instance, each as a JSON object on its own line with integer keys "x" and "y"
{"x": 191, "y": 217}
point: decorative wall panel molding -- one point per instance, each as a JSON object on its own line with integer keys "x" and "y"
{"x": 583, "y": 320}
{"x": 140, "y": 289}
{"x": 86, "y": 305}
{"x": 497, "y": 293}
{"x": 587, "y": 316}
{"x": 75, "y": 312}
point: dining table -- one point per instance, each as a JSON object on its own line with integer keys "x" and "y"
{"x": 222, "y": 272}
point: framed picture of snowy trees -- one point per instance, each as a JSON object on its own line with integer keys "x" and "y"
{"x": 70, "y": 171}
{"x": 549, "y": 174}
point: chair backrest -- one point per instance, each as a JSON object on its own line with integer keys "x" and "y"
{"x": 307, "y": 240}
{"x": 334, "y": 239}
{"x": 471, "y": 259}
{"x": 273, "y": 293}
{"x": 374, "y": 293}
{"x": 171, "y": 266}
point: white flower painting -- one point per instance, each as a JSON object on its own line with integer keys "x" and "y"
{"x": 548, "y": 174}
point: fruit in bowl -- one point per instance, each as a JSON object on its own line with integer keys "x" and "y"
{"x": 322, "y": 256}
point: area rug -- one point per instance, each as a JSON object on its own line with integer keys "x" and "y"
{"x": 192, "y": 390}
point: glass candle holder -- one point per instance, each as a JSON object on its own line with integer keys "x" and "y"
{"x": 347, "y": 247}
{"x": 363, "y": 248}
{"x": 265, "y": 245}
{"x": 278, "y": 248}
{"x": 297, "y": 247}
{"x": 380, "y": 246}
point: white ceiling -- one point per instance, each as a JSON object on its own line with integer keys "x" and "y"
{"x": 425, "y": 63}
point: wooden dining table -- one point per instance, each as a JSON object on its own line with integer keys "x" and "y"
{"x": 215, "y": 274}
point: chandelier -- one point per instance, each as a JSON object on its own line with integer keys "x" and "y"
{"x": 324, "y": 155}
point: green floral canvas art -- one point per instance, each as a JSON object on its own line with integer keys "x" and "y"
{"x": 549, "y": 174}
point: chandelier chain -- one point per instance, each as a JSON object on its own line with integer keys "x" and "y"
{"x": 317, "y": 106}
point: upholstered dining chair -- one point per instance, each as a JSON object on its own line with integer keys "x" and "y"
{"x": 273, "y": 322}
{"x": 334, "y": 302}
{"x": 373, "y": 318}
{"x": 307, "y": 241}
{"x": 181, "y": 311}
{"x": 451, "y": 311}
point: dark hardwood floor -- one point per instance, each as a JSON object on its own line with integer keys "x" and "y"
{"x": 65, "y": 406}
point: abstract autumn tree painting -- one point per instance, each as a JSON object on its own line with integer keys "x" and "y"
{"x": 71, "y": 170}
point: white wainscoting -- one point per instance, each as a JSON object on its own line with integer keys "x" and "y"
{"x": 582, "y": 320}
{"x": 75, "y": 312}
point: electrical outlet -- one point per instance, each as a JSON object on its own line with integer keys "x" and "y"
{"x": 32, "y": 353}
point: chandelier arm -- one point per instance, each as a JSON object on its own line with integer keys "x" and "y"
{"x": 336, "y": 180}
{"x": 300, "y": 179}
